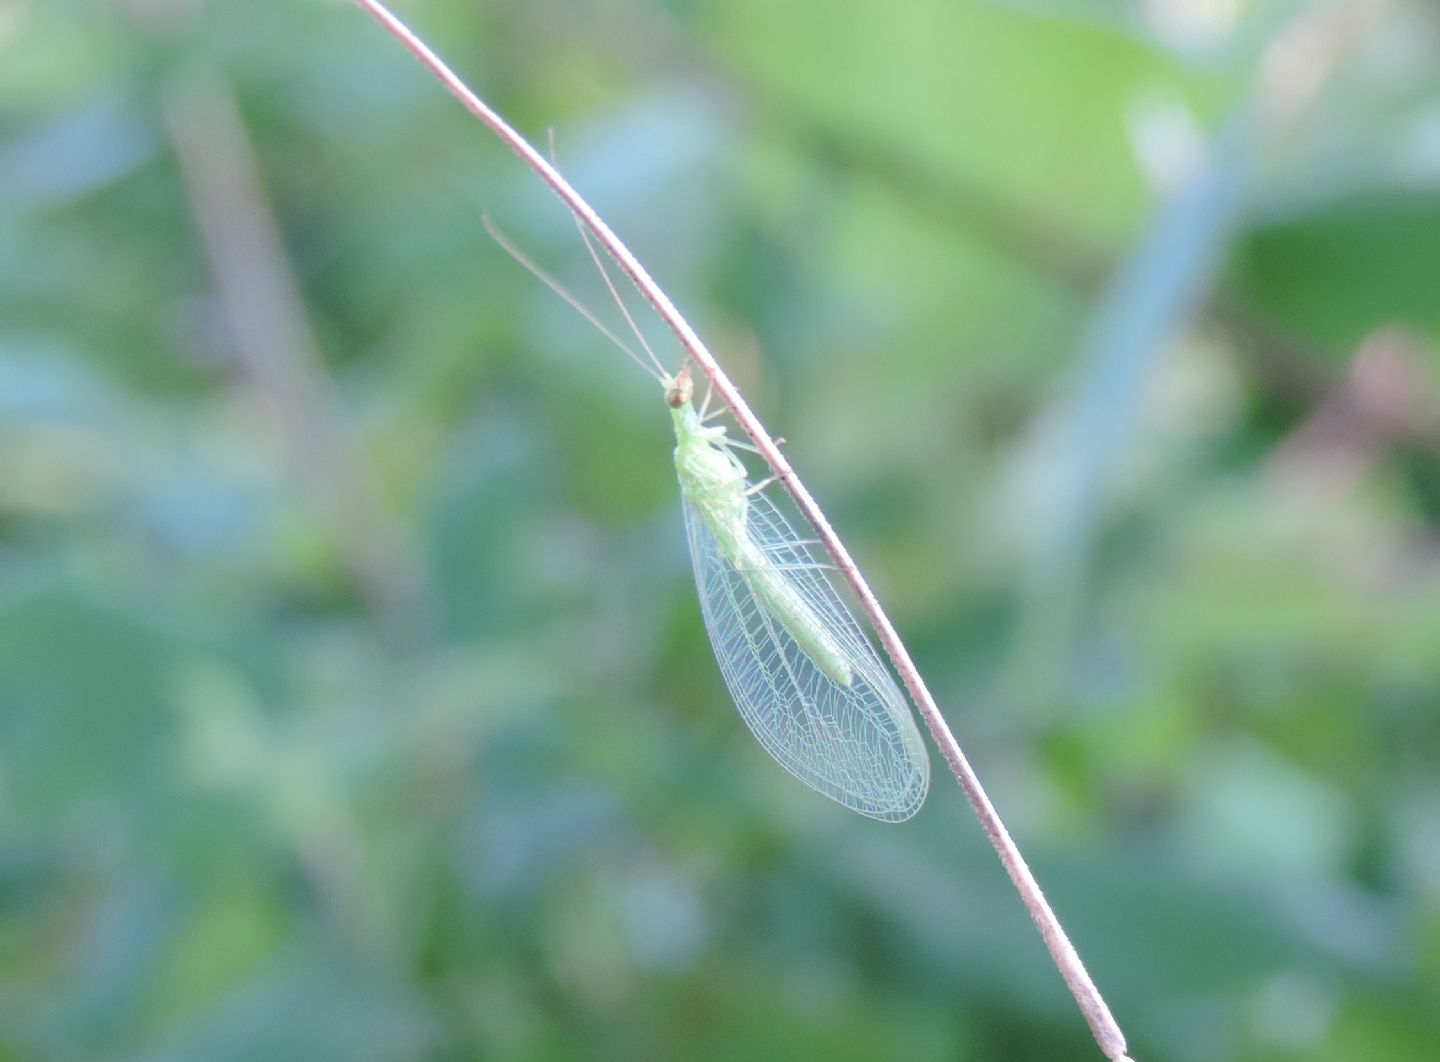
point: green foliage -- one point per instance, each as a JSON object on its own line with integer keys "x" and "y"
{"x": 368, "y": 714}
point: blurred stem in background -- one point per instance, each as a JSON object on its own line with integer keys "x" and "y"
{"x": 1147, "y": 305}
{"x": 277, "y": 349}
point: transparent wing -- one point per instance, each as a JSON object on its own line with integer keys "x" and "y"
{"x": 857, "y": 744}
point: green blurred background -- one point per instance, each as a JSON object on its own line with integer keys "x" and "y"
{"x": 354, "y": 701}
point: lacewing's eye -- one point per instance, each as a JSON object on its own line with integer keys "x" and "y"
{"x": 681, "y": 390}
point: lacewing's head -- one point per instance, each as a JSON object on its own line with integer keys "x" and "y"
{"x": 678, "y": 389}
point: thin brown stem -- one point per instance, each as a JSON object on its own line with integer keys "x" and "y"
{"x": 1092, "y": 1005}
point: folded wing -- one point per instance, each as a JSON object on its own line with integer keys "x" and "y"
{"x": 858, "y": 743}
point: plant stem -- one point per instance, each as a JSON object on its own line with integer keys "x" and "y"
{"x": 1092, "y": 1005}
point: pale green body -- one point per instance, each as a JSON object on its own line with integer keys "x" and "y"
{"x": 712, "y": 481}
{"x": 805, "y": 679}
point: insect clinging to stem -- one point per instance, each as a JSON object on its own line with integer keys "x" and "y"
{"x": 806, "y": 680}
{"x": 849, "y": 735}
